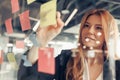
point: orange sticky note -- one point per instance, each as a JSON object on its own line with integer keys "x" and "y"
{"x": 1, "y": 56}
{"x": 15, "y": 6}
{"x": 20, "y": 44}
{"x": 24, "y": 20}
{"x": 8, "y": 24}
{"x": 46, "y": 61}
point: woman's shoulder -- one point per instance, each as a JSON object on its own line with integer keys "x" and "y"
{"x": 66, "y": 53}
{"x": 63, "y": 57}
{"x": 118, "y": 65}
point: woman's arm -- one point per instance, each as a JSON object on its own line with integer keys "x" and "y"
{"x": 33, "y": 55}
{"x": 31, "y": 73}
{"x": 44, "y": 35}
{"x": 25, "y": 73}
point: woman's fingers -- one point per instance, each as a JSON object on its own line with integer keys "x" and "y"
{"x": 51, "y": 30}
{"x": 60, "y": 23}
{"x": 58, "y": 14}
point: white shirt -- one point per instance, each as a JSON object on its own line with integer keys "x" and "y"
{"x": 86, "y": 73}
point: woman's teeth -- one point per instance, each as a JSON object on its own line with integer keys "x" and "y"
{"x": 87, "y": 39}
{"x": 97, "y": 42}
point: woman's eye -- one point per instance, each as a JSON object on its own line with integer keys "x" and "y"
{"x": 86, "y": 25}
{"x": 98, "y": 28}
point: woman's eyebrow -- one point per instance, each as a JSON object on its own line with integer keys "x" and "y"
{"x": 98, "y": 25}
{"x": 87, "y": 22}
{"x": 95, "y": 24}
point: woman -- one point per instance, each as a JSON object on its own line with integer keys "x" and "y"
{"x": 91, "y": 58}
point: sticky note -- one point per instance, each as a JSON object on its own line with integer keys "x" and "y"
{"x": 26, "y": 62}
{"x": 8, "y": 25}
{"x": 20, "y": 44}
{"x": 12, "y": 61}
{"x": 46, "y": 61}
{"x": 30, "y": 1}
{"x": 15, "y": 6}
{"x": 33, "y": 39}
{"x": 48, "y": 13}
{"x": 3, "y": 41}
{"x": 1, "y": 56}
{"x": 25, "y": 21}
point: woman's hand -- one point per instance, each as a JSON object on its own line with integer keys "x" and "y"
{"x": 44, "y": 35}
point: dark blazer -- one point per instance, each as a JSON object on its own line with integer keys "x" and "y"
{"x": 31, "y": 73}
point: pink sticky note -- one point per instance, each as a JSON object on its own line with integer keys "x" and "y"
{"x": 46, "y": 61}
{"x": 1, "y": 56}
{"x": 20, "y": 44}
{"x": 25, "y": 21}
{"x": 15, "y": 6}
{"x": 8, "y": 24}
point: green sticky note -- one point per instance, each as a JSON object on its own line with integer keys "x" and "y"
{"x": 30, "y": 1}
{"x": 12, "y": 61}
{"x": 48, "y": 13}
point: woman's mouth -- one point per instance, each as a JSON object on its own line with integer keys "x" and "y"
{"x": 87, "y": 39}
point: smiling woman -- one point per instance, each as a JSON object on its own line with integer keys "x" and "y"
{"x": 91, "y": 57}
{"x": 90, "y": 36}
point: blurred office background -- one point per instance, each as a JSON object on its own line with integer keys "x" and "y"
{"x": 67, "y": 39}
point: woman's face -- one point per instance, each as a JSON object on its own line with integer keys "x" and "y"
{"x": 92, "y": 32}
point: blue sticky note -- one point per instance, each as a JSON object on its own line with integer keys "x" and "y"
{"x": 26, "y": 62}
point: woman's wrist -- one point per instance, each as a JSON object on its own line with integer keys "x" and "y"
{"x": 33, "y": 54}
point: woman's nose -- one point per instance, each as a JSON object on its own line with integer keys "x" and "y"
{"x": 91, "y": 30}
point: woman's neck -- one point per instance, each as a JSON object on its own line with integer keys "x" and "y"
{"x": 93, "y": 57}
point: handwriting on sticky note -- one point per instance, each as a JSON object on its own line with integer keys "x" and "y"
{"x": 15, "y": 5}
{"x": 48, "y": 13}
{"x": 8, "y": 25}
{"x": 46, "y": 61}
{"x": 20, "y": 44}
{"x": 25, "y": 21}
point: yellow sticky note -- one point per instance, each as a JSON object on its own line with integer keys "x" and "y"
{"x": 12, "y": 61}
{"x": 30, "y": 1}
{"x": 48, "y": 13}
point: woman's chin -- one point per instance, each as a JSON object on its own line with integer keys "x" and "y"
{"x": 91, "y": 46}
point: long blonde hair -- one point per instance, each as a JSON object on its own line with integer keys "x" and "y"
{"x": 75, "y": 66}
